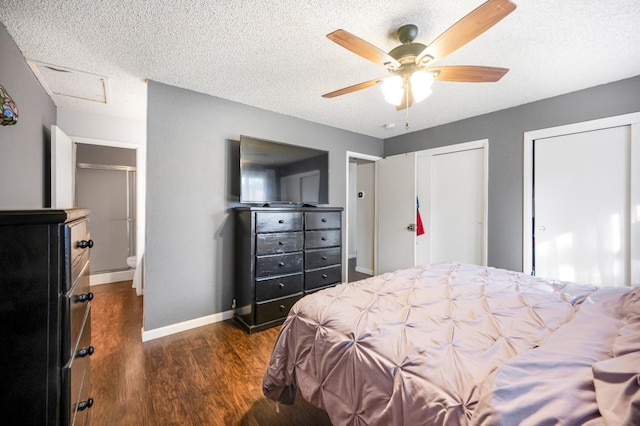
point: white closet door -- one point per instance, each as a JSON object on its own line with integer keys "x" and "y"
{"x": 581, "y": 206}
{"x": 457, "y": 207}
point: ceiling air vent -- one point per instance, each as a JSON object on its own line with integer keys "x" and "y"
{"x": 61, "y": 81}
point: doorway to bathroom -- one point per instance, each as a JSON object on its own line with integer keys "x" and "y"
{"x": 105, "y": 183}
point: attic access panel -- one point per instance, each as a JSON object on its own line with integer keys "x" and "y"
{"x": 61, "y": 81}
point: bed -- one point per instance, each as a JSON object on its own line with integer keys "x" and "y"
{"x": 462, "y": 344}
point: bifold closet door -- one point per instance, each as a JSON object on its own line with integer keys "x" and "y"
{"x": 582, "y": 187}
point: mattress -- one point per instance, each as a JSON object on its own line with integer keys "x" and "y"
{"x": 462, "y": 344}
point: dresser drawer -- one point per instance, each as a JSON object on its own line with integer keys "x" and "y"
{"x": 76, "y": 385}
{"x": 278, "y": 264}
{"x": 321, "y": 220}
{"x": 278, "y": 221}
{"x": 321, "y": 258}
{"x": 279, "y": 243}
{"x": 79, "y": 239}
{"x": 273, "y": 288}
{"x": 275, "y": 309}
{"x": 322, "y": 277}
{"x": 76, "y": 305}
{"x": 320, "y": 239}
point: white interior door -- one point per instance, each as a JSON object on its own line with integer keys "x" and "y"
{"x": 582, "y": 189}
{"x": 457, "y": 220}
{"x": 396, "y": 201}
{"x": 452, "y": 189}
{"x": 62, "y": 169}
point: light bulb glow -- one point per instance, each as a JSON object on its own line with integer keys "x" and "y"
{"x": 421, "y": 85}
{"x": 392, "y": 90}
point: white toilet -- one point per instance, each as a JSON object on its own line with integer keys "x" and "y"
{"x": 131, "y": 261}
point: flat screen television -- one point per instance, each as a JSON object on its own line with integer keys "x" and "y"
{"x": 275, "y": 173}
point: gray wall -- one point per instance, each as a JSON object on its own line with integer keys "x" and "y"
{"x": 24, "y": 147}
{"x": 192, "y": 185}
{"x": 505, "y": 130}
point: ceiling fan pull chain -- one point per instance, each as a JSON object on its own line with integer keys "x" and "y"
{"x": 406, "y": 123}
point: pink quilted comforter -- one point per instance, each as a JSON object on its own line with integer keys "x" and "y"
{"x": 462, "y": 344}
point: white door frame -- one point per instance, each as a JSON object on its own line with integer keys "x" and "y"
{"x": 345, "y": 249}
{"x": 68, "y": 168}
{"x": 527, "y": 190}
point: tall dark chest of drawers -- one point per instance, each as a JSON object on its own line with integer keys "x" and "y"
{"x": 45, "y": 310}
{"x": 281, "y": 255}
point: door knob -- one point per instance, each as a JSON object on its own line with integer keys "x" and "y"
{"x": 87, "y": 297}
{"x": 411, "y": 227}
{"x": 83, "y": 405}
{"x": 84, "y": 244}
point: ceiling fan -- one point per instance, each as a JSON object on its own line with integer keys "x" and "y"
{"x": 411, "y": 64}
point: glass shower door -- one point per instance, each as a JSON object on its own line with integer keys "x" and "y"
{"x": 105, "y": 191}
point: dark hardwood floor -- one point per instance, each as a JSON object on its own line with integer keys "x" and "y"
{"x": 354, "y": 275}
{"x": 210, "y": 375}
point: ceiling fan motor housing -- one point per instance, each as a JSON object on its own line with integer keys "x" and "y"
{"x": 406, "y": 53}
{"x": 407, "y": 33}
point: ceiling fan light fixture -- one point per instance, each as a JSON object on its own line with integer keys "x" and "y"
{"x": 393, "y": 90}
{"x": 408, "y": 86}
{"x": 421, "y": 82}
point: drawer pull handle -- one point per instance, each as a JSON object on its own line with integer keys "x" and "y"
{"x": 85, "y": 351}
{"x": 83, "y": 405}
{"x": 324, "y": 257}
{"x": 324, "y": 219}
{"x": 324, "y": 238}
{"x": 84, "y": 297}
{"x": 324, "y": 275}
{"x": 281, "y": 221}
{"x": 83, "y": 244}
{"x": 281, "y": 285}
{"x": 281, "y": 308}
{"x": 280, "y": 263}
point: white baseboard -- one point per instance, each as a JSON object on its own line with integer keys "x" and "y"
{"x": 185, "y": 325}
{"x": 111, "y": 277}
{"x": 364, "y": 271}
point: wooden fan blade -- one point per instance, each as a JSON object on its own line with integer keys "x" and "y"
{"x": 362, "y": 48}
{"x": 468, "y": 73}
{"x": 405, "y": 104}
{"x": 353, "y": 88}
{"x": 466, "y": 29}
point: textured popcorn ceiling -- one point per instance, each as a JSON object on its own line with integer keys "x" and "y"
{"x": 275, "y": 55}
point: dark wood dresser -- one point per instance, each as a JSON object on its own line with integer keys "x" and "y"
{"x": 45, "y": 311}
{"x": 281, "y": 255}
